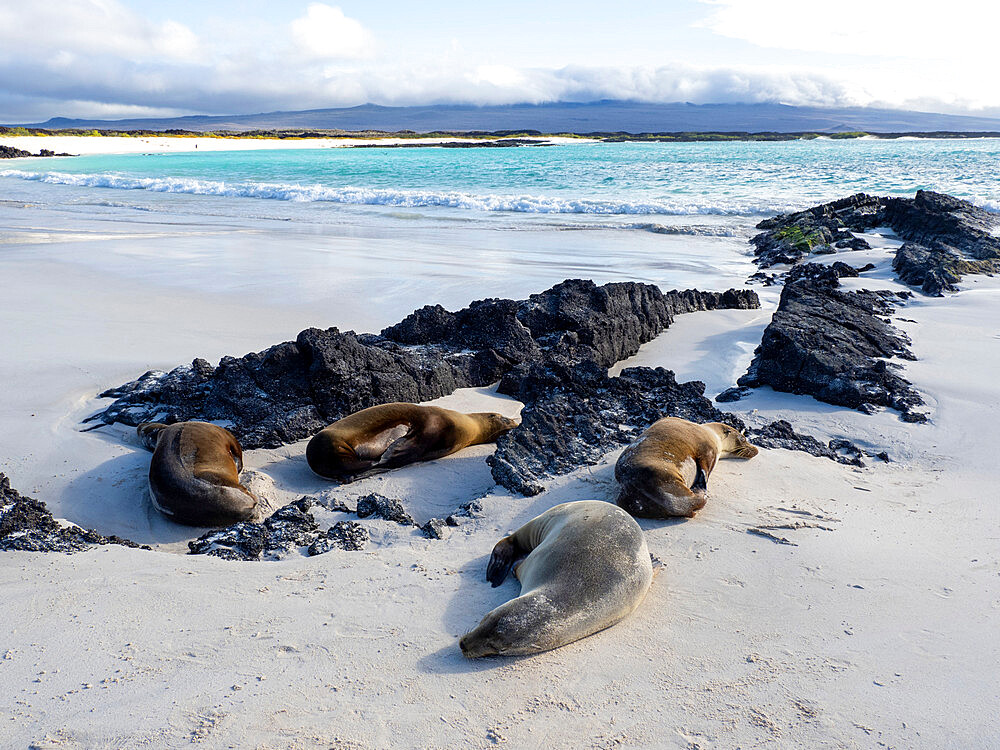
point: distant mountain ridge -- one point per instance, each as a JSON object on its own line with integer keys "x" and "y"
{"x": 564, "y": 117}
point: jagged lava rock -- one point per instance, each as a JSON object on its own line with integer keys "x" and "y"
{"x": 349, "y": 536}
{"x": 26, "y": 525}
{"x": 947, "y": 237}
{"x": 385, "y": 508}
{"x": 435, "y": 528}
{"x": 779, "y": 434}
{"x": 287, "y": 529}
{"x": 832, "y": 344}
{"x": 292, "y": 390}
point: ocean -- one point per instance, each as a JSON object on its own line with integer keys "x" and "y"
{"x": 384, "y": 230}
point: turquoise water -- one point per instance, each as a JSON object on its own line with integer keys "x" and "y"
{"x": 595, "y": 179}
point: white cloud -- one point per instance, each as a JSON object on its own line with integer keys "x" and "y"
{"x": 326, "y": 33}
{"x": 90, "y": 27}
{"x": 101, "y": 53}
{"x": 962, "y": 31}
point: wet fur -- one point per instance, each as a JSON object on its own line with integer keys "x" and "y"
{"x": 665, "y": 472}
{"x": 583, "y": 567}
{"x": 392, "y": 435}
{"x": 194, "y": 473}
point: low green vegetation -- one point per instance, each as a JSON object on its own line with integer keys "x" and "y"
{"x": 799, "y": 240}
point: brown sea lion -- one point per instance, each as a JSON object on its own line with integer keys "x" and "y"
{"x": 194, "y": 477}
{"x": 393, "y": 435}
{"x": 665, "y": 472}
{"x": 583, "y": 566}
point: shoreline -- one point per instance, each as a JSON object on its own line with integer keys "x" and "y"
{"x": 128, "y": 142}
{"x": 81, "y": 145}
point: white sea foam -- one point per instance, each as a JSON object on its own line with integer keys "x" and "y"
{"x": 531, "y": 204}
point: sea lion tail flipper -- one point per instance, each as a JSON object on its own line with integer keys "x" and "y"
{"x": 505, "y": 554}
{"x": 149, "y": 433}
{"x": 700, "y": 483}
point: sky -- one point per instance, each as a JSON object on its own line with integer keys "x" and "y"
{"x": 132, "y": 58}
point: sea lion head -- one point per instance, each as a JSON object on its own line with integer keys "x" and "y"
{"x": 514, "y": 628}
{"x": 494, "y": 425}
{"x": 732, "y": 441}
{"x": 329, "y": 456}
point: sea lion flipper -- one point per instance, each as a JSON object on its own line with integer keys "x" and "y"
{"x": 700, "y": 482}
{"x": 405, "y": 450}
{"x": 149, "y": 433}
{"x": 506, "y": 554}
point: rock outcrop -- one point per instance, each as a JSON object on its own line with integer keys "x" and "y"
{"x": 946, "y": 237}
{"x": 294, "y": 389}
{"x": 28, "y": 526}
{"x": 9, "y": 152}
{"x": 832, "y": 344}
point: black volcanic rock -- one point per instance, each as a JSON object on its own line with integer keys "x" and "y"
{"x": 575, "y": 415}
{"x": 385, "y": 508}
{"x": 287, "y": 529}
{"x": 779, "y": 434}
{"x": 946, "y": 237}
{"x": 27, "y": 525}
{"x": 9, "y": 152}
{"x": 349, "y": 536}
{"x": 790, "y": 237}
{"x": 938, "y": 268}
{"x": 435, "y": 528}
{"x": 292, "y": 390}
{"x": 936, "y": 219}
{"x": 832, "y": 344}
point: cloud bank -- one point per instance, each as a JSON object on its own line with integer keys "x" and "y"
{"x": 98, "y": 58}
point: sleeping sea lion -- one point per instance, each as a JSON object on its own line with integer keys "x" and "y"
{"x": 194, "y": 477}
{"x": 583, "y": 566}
{"x": 392, "y": 435}
{"x": 665, "y": 472}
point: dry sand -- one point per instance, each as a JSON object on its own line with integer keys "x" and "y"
{"x": 82, "y": 145}
{"x": 876, "y": 627}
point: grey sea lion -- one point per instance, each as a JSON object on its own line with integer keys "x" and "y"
{"x": 194, "y": 476}
{"x": 665, "y": 472}
{"x": 583, "y": 566}
{"x": 392, "y": 435}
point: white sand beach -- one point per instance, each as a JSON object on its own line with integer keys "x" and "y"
{"x": 87, "y": 145}
{"x": 876, "y": 627}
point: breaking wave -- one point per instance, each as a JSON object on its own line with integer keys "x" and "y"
{"x": 530, "y": 204}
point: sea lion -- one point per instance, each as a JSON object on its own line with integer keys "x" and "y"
{"x": 583, "y": 566}
{"x": 393, "y": 435}
{"x": 665, "y": 472}
{"x": 194, "y": 477}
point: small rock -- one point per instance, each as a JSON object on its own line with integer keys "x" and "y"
{"x": 435, "y": 528}
{"x": 384, "y": 507}
{"x": 733, "y": 394}
{"x": 350, "y": 536}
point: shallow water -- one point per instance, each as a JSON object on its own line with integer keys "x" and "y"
{"x": 370, "y": 234}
